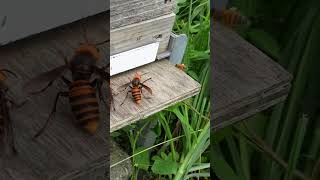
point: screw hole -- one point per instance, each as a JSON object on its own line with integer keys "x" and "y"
{"x": 159, "y": 36}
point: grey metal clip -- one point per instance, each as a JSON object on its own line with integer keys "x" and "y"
{"x": 176, "y": 48}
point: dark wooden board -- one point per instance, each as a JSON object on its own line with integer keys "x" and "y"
{"x": 64, "y": 151}
{"x": 13, "y": 168}
{"x": 245, "y": 80}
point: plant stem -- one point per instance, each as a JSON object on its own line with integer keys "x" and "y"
{"x": 194, "y": 153}
{"x": 262, "y": 146}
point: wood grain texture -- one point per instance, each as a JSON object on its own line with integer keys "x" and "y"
{"x": 12, "y": 168}
{"x": 64, "y": 151}
{"x": 169, "y": 84}
{"x": 245, "y": 80}
{"x": 126, "y": 12}
{"x": 143, "y": 33}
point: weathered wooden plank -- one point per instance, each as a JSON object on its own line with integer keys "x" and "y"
{"x": 64, "y": 151}
{"x": 245, "y": 80}
{"x": 134, "y": 11}
{"x": 143, "y": 33}
{"x": 12, "y": 168}
{"x": 169, "y": 85}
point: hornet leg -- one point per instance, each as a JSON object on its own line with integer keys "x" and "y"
{"x": 10, "y": 133}
{"x": 14, "y": 104}
{"x": 64, "y": 94}
{"x": 146, "y": 80}
{"x": 98, "y": 84}
{"x": 125, "y": 97}
{"x": 42, "y": 90}
{"x": 12, "y": 141}
{"x": 66, "y": 81}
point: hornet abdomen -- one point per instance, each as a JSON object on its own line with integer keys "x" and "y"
{"x": 85, "y": 105}
{"x": 136, "y": 94}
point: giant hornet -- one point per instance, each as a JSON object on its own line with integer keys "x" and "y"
{"x": 136, "y": 88}
{"x": 231, "y": 17}
{"x": 181, "y": 66}
{"x": 6, "y": 128}
{"x": 82, "y": 90}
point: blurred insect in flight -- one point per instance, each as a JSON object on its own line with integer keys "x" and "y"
{"x": 83, "y": 90}
{"x": 6, "y": 128}
{"x": 231, "y": 17}
{"x": 136, "y": 88}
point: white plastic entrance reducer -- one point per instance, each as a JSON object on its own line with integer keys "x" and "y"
{"x": 133, "y": 58}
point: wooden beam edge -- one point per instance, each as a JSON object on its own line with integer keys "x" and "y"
{"x": 285, "y": 87}
{"x": 241, "y": 114}
{"x": 141, "y": 115}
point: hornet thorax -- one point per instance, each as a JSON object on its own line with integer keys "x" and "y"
{"x": 82, "y": 67}
{"x": 83, "y": 63}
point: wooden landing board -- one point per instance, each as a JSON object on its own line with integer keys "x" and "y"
{"x": 143, "y": 33}
{"x": 126, "y": 12}
{"x": 169, "y": 84}
{"x": 12, "y": 168}
{"x": 245, "y": 80}
{"x": 64, "y": 151}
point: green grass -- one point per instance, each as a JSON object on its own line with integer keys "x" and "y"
{"x": 181, "y": 132}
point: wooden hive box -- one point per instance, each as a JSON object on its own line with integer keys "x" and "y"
{"x": 126, "y": 12}
{"x": 135, "y": 23}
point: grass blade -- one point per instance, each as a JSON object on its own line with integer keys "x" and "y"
{"x": 296, "y": 148}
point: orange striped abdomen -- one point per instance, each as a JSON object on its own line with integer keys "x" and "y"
{"x": 85, "y": 105}
{"x": 136, "y": 94}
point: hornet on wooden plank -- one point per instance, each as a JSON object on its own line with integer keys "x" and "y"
{"x": 82, "y": 89}
{"x": 136, "y": 88}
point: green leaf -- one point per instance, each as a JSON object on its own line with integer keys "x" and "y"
{"x": 193, "y": 75}
{"x": 221, "y": 168}
{"x": 115, "y": 134}
{"x": 164, "y": 167}
{"x": 296, "y": 147}
{"x": 171, "y": 156}
{"x": 141, "y": 160}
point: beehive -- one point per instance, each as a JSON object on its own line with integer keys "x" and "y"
{"x": 64, "y": 152}
{"x": 135, "y": 23}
